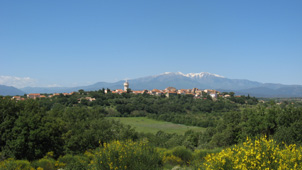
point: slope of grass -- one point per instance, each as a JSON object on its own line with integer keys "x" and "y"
{"x": 146, "y": 125}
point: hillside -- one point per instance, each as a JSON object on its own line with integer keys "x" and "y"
{"x": 10, "y": 91}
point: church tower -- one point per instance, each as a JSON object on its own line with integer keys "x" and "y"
{"x": 126, "y": 85}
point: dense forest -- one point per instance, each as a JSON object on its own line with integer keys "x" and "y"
{"x": 71, "y": 132}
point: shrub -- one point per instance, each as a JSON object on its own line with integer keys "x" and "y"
{"x": 70, "y": 162}
{"x": 138, "y": 113}
{"x": 45, "y": 163}
{"x": 258, "y": 154}
{"x": 111, "y": 112}
{"x": 12, "y": 164}
{"x": 184, "y": 154}
{"x": 172, "y": 160}
{"x": 125, "y": 155}
{"x": 202, "y": 153}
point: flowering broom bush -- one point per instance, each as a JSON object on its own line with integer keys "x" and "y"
{"x": 125, "y": 155}
{"x": 258, "y": 154}
{"x": 12, "y": 164}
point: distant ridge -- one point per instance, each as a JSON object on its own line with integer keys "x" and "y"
{"x": 10, "y": 91}
{"x": 179, "y": 80}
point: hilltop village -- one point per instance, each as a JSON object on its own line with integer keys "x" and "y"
{"x": 169, "y": 91}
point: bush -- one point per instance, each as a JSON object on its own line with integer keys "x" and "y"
{"x": 138, "y": 113}
{"x": 11, "y": 164}
{"x": 184, "y": 154}
{"x": 261, "y": 153}
{"x": 172, "y": 160}
{"x": 45, "y": 163}
{"x": 201, "y": 154}
{"x": 70, "y": 162}
{"x": 126, "y": 155}
{"x": 111, "y": 112}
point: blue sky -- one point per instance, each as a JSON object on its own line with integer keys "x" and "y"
{"x": 69, "y": 43}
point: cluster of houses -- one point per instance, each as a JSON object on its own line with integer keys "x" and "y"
{"x": 38, "y": 95}
{"x": 170, "y": 91}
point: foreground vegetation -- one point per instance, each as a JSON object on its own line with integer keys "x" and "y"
{"x": 261, "y": 153}
{"x": 63, "y": 132}
{"x": 258, "y": 154}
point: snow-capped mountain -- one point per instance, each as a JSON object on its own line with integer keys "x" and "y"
{"x": 193, "y": 75}
{"x": 199, "y": 80}
{"x": 179, "y": 80}
{"x": 202, "y": 74}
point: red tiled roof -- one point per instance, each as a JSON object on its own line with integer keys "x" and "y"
{"x": 34, "y": 94}
{"x": 138, "y": 91}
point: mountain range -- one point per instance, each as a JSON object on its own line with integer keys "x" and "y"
{"x": 180, "y": 80}
{"x": 10, "y": 91}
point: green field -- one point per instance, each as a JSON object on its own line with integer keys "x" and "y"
{"x": 143, "y": 124}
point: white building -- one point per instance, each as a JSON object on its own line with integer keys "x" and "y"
{"x": 126, "y": 85}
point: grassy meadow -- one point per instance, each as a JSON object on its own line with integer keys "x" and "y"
{"x": 146, "y": 125}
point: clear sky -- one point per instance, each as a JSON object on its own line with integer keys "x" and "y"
{"x": 70, "y": 42}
